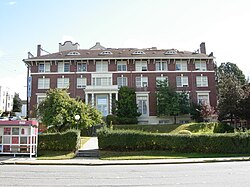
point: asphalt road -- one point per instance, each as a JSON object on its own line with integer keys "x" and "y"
{"x": 207, "y": 174}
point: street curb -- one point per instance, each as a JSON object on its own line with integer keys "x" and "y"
{"x": 105, "y": 163}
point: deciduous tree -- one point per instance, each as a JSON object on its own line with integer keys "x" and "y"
{"x": 58, "y": 112}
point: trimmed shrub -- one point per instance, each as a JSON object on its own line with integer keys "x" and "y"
{"x": 66, "y": 141}
{"x": 120, "y": 140}
{"x": 124, "y": 120}
{"x": 111, "y": 118}
{"x": 223, "y": 128}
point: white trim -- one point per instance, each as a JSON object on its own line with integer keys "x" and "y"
{"x": 118, "y": 58}
{"x": 206, "y": 91}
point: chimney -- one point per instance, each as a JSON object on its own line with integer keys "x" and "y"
{"x": 203, "y": 48}
{"x": 39, "y": 50}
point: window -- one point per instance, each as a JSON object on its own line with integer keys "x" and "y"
{"x": 201, "y": 66}
{"x": 161, "y": 66}
{"x": 203, "y": 98}
{"x": 81, "y": 82}
{"x": 106, "y": 53}
{"x": 201, "y": 81}
{"x": 101, "y": 66}
{"x": 161, "y": 78}
{"x": 141, "y": 82}
{"x": 181, "y": 81}
{"x": 43, "y": 83}
{"x": 63, "y": 67}
{"x": 122, "y": 81}
{"x": 141, "y": 66}
{"x": 44, "y": 67}
{"x": 171, "y": 52}
{"x": 142, "y": 102}
{"x": 138, "y": 53}
{"x": 73, "y": 53}
{"x": 121, "y": 66}
{"x": 40, "y": 99}
{"x": 63, "y": 83}
{"x": 181, "y": 66}
{"x": 101, "y": 81}
{"x": 81, "y": 67}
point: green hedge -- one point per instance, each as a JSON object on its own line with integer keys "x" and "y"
{"x": 118, "y": 140}
{"x": 66, "y": 141}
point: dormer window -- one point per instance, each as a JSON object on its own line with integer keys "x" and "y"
{"x": 138, "y": 53}
{"x": 171, "y": 52}
{"x": 106, "y": 53}
{"x": 73, "y": 53}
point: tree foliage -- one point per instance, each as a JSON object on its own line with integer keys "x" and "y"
{"x": 169, "y": 102}
{"x": 231, "y": 83}
{"x": 195, "y": 112}
{"x": 126, "y": 104}
{"x": 229, "y": 69}
{"x": 17, "y": 103}
{"x": 58, "y": 112}
{"x": 206, "y": 111}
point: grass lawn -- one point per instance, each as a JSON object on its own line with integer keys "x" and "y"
{"x": 149, "y": 128}
{"x": 201, "y": 128}
{"x": 60, "y": 155}
{"x": 143, "y": 155}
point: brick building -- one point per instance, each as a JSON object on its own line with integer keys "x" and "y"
{"x": 96, "y": 74}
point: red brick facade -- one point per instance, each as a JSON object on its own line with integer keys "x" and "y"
{"x": 151, "y": 57}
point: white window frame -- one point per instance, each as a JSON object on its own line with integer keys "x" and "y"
{"x": 43, "y": 83}
{"x": 183, "y": 81}
{"x": 62, "y": 83}
{"x": 122, "y": 81}
{"x": 81, "y": 66}
{"x": 141, "y": 82}
{"x": 101, "y": 66}
{"x": 101, "y": 81}
{"x": 161, "y": 66}
{"x": 141, "y": 66}
{"x": 201, "y": 95}
{"x": 142, "y": 103}
{"x": 43, "y": 67}
{"x": 81, "y": 82}
{"x": 121, "y": 66}
{"x": 40, "y": 98}
{"x": 182, "y": 66}
{"x": 201, "y": 81}
{"x": 62, "y": 67}
{"x": 200, "y": 66}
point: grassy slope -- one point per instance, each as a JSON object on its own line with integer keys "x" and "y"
{"x": 200, "y": 128}
{"x": 171, "y": 128}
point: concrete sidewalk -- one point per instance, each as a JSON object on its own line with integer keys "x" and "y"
{"x": 92, "y": 144}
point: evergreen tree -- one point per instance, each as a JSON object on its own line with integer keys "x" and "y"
{"x": 17, "y": 103}
{"x": 126, "y": 104}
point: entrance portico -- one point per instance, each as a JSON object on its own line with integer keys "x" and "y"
{"x": 101, "y": 97}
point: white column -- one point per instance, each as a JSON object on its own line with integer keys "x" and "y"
{"x": 86, "y": 98}
{"x": 116, "y": 96}
{"x": 92, "y": 100}
{"x": 110, "y": 103}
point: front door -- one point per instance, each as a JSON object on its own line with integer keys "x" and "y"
{"x": 102, "y": 104}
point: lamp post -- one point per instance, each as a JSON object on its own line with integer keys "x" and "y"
{"x": 77, "y": 117}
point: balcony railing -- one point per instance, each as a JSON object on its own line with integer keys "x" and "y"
{"x": 101, "y": 88}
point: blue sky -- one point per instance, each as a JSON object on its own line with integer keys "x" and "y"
{"x": 180, "y": 24}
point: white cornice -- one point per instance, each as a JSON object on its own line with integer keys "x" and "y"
{"x": 116, "y": 58}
